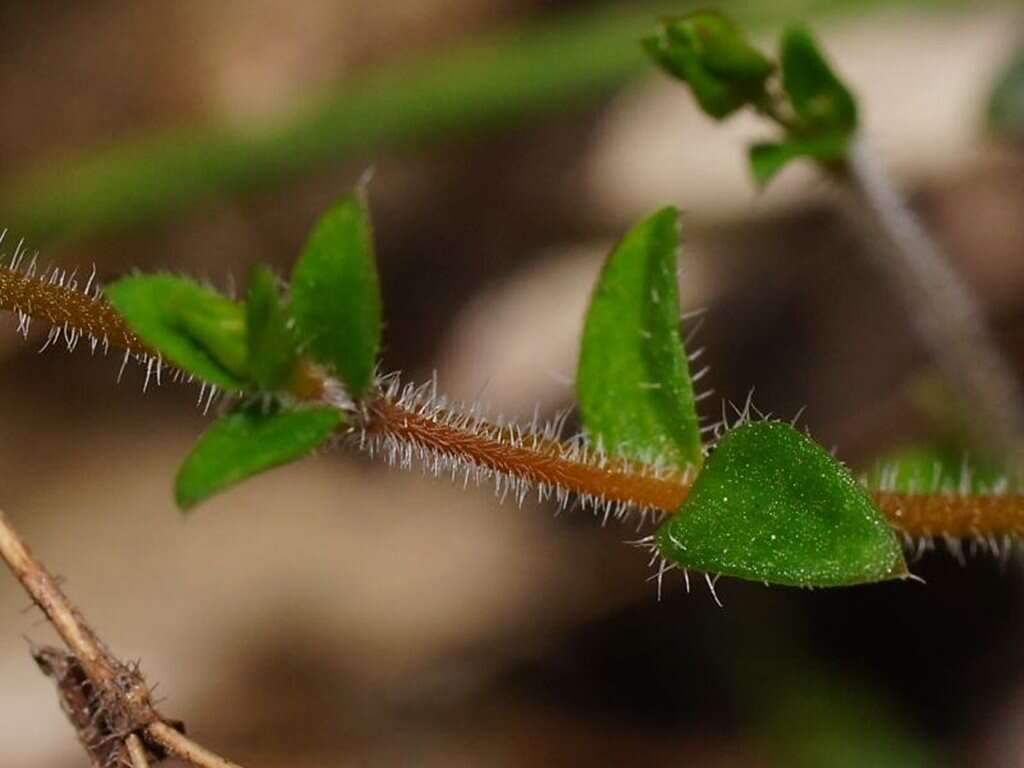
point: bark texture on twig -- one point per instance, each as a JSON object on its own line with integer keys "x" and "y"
{"x": 136, "y": 752}
{"x": 179, "y": 745}
{"x": 107, "y": 701}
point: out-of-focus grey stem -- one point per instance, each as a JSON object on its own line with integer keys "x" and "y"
{"x": 941, "y": 305}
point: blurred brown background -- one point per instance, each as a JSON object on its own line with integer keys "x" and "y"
{"x": 337, "y": 612}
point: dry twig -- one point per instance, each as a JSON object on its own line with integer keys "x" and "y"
{"x": 136, "y": 751}
{"x": 107, "y": 701}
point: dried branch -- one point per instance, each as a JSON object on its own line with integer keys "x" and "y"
{"x": 179, "y": 745}
{"x": 136, "y": 752}
{"x": 108, "y": 702}
{"x": 96, "y": 662}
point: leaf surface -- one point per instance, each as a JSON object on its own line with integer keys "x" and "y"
{"x": 272, "y": 344}
{"x": 818, "y": 96}
{"x": 190, "y": 325}
{"x": 771, "y": 505}
{"x": 768, "y": 158}
{"x": 1006, "y": 105}
{"x": 335, "y": 294}
{"x": 936, "y": 468}
{"x": 633, "y": 381}
{"x": 248, "y": 441}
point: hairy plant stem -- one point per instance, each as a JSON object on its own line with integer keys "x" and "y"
{"x": 116, "y": 693}
{"x": 536, "y": 461}
{"x": 549, "y": 462}
{"x": 917, "y": 515}
{"x": 939, "y": 303}
{"x": 65, "y": 307}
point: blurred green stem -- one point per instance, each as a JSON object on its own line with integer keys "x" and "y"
{"x": 488, "y": 82}
{"x": 941, "y": 305}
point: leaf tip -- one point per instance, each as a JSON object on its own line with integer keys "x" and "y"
{"x": 335, "y": 293}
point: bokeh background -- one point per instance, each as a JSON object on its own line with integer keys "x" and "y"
{"x": 338, "y": 612}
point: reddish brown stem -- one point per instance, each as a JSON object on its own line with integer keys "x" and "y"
{"x": 917, "y": 515}
{"x": 536, "y": 461}
{"x": 66, "y": 307}
{"x": 539, "y": 461}
{"x": 952, "y": 514}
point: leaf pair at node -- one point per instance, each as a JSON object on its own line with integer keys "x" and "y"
{"x": 331, "y": 317}
{"x": 725, "y": 73}
{"x": 768, "y": 504}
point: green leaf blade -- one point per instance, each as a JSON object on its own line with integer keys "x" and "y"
{"x": 942, "y": 467}
{"x": 335, "y": 294}
{"x": 248, "y": 441}
{"x": 272, "y": 345}
{"x": 768, "y": 158}
{"x": 819, "y": 97}
{"x": 1006, "y": 104}
{"x": 771, "y": 505}
{"x": 633, "y": 382}
{"x": 190, "y": 325}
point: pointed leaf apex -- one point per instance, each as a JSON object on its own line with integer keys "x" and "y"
{"x": 633, "y": 381}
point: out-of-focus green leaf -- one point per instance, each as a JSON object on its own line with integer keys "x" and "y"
{"x": 248, "y": 441}
{"x": 1006, "y": 106}
{"x": 718, "y": 44}
{"x": 190, "y": 325}
{"x": 336, "y": 294}
{"x": 934, "y": 468}
{"x": 711, "y": 53}
{"x": 823, "y": 721}
{"x": 633, "y": 382}
{"x": 819, "y": 98}
{"x": 770, "y": 505}
{"x": 539, "y": 68}
{"x": 272, "y": 344}
{"x": 768, "y": 158}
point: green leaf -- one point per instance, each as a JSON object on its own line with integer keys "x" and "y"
{"x": 710, "y": 52}
{"x": 190, "y": 325}
{"x": 633, "y": 382}
{"x": 819, "y": 98}
{"x": 248, "y": 441}
{"x": 1006, "y": 106}
{"x": 771, "y": 505}
{"x": 272, "y": 344}
{"x": 938, "y": 468}
{"x": 768, "y": 158}
{"x": 722, "y": 45}
{"x": 336, "y": 295}
{"x": 819, "y": 718}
